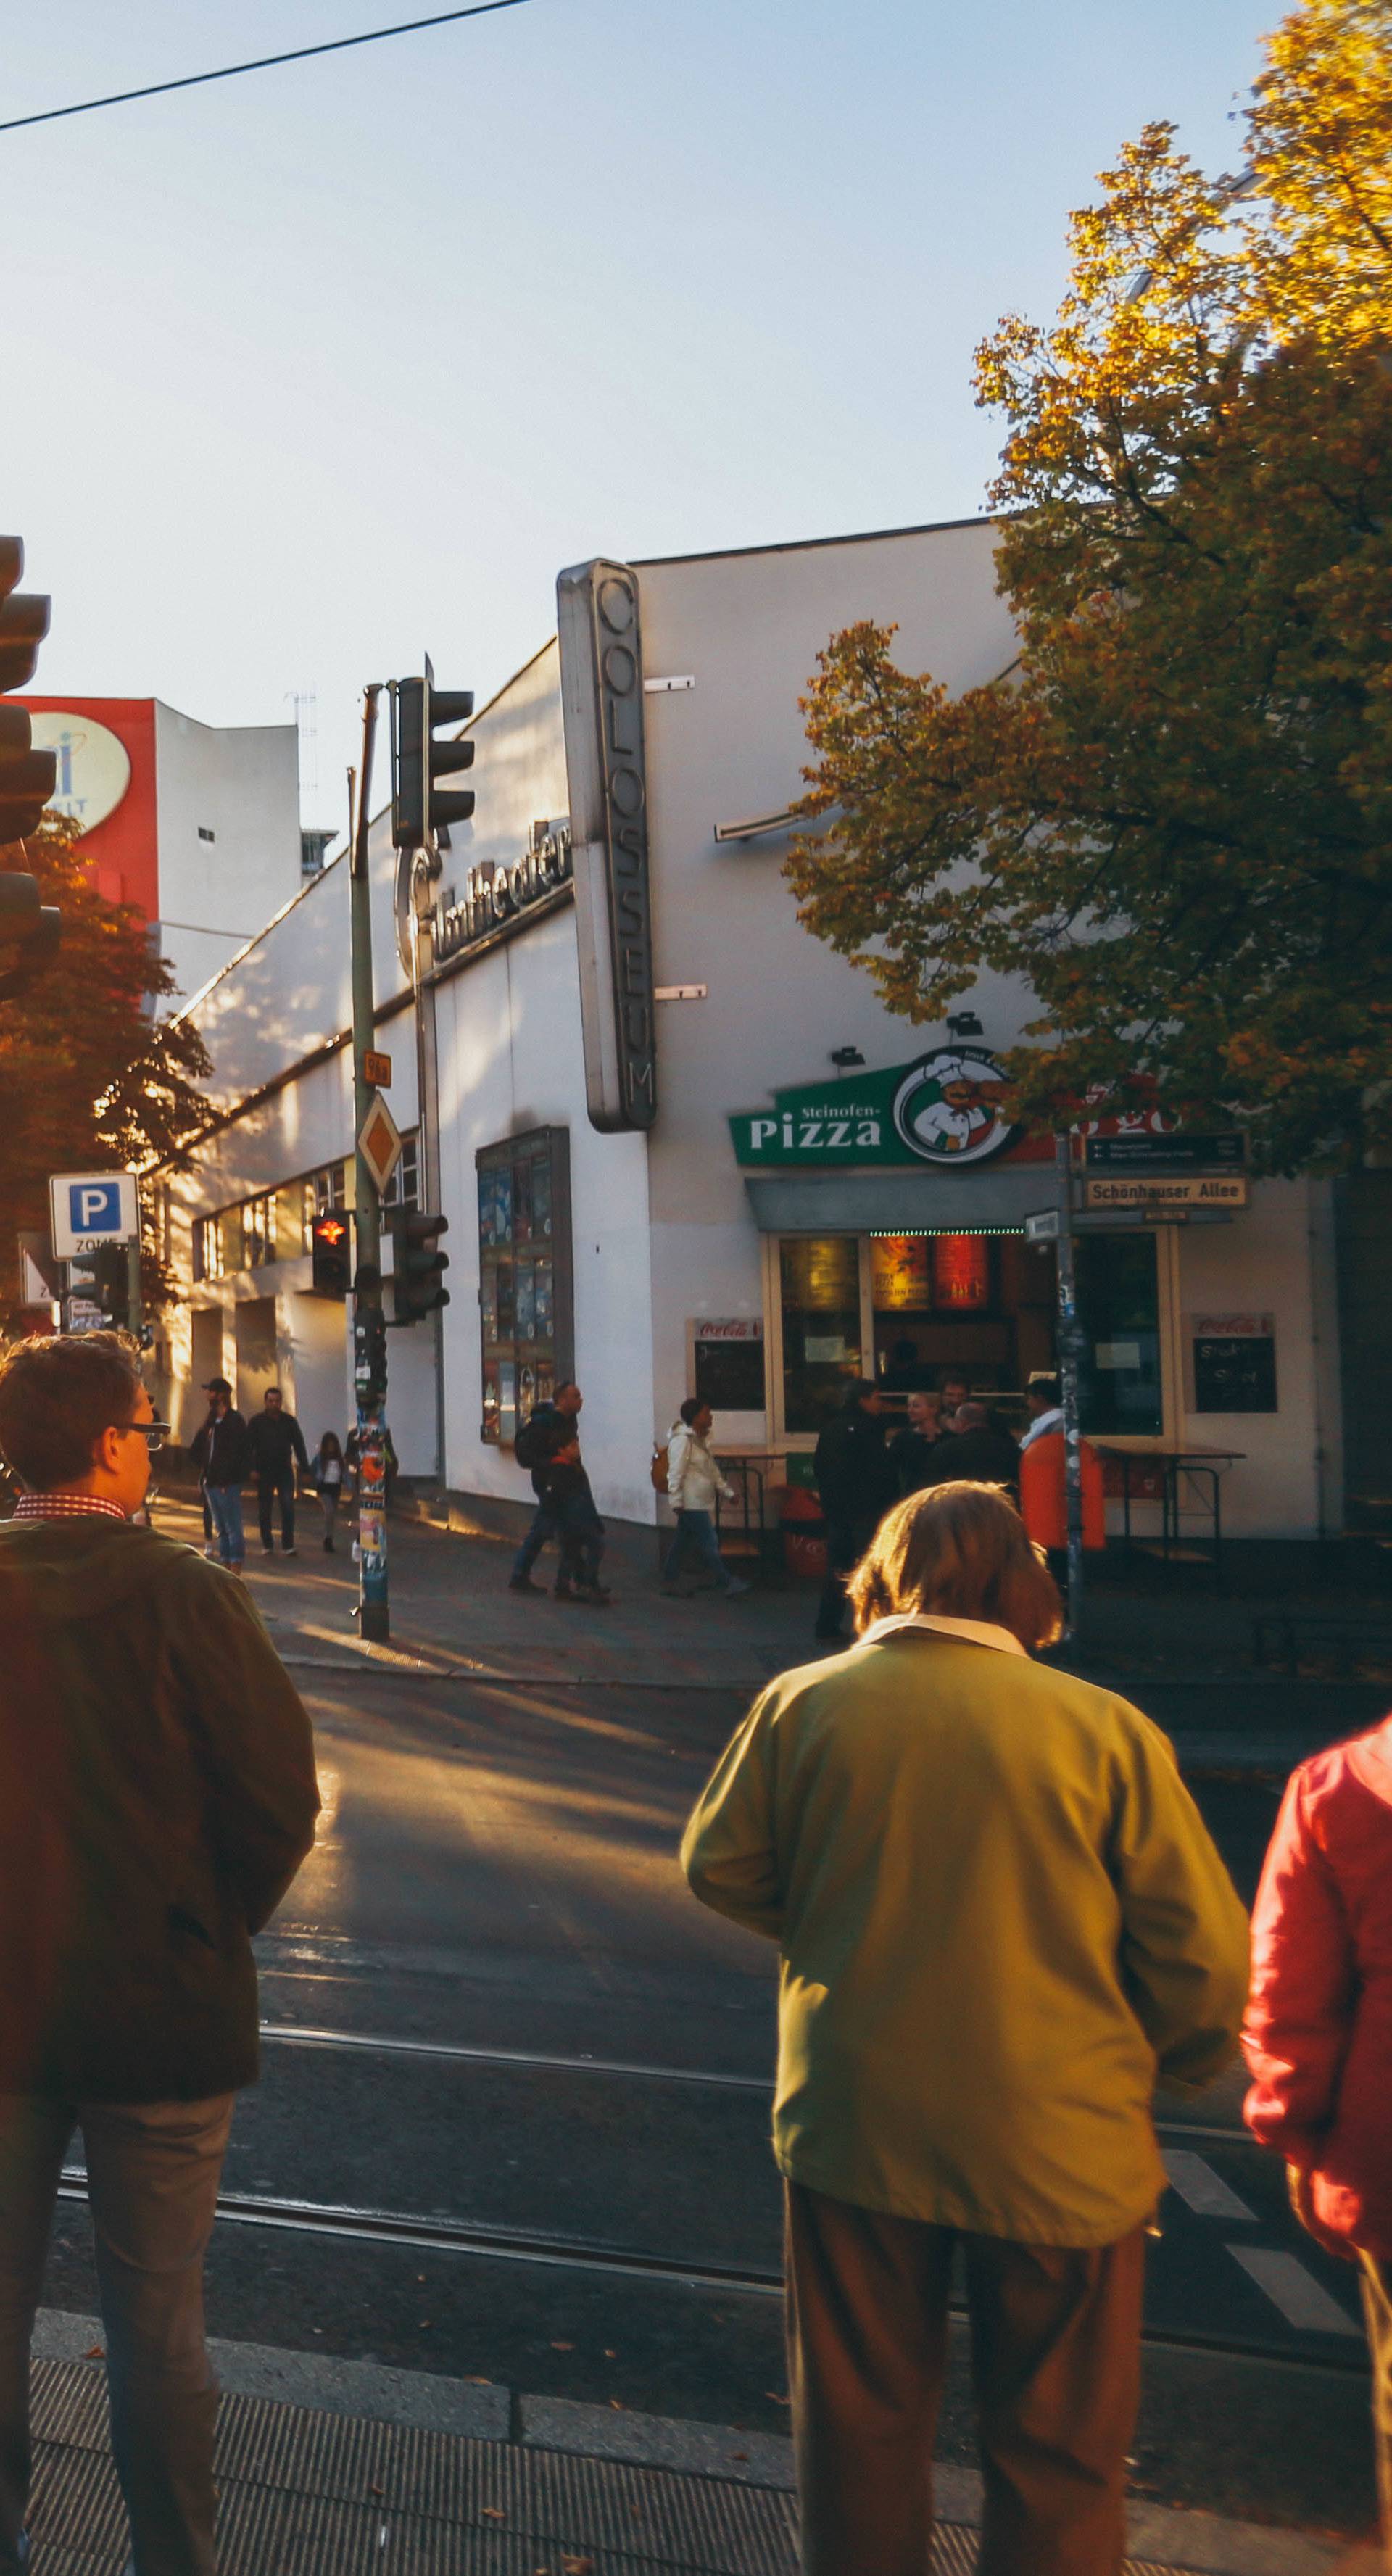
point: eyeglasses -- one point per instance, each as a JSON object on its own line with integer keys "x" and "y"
{"x": 154, "y": 1434}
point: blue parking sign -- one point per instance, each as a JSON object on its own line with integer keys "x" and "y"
{"x": 94, "y": 1207}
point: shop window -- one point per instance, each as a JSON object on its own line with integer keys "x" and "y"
{"x": 525, "y": 1295}
{"x": 980, "y": 1304}
{"x": 1119, "y": 1312}
{"x": 821, "y": 1326}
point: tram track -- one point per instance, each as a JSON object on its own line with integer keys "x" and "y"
{"x": 445, "y": 2051}
{"x": 551, "y": 2251}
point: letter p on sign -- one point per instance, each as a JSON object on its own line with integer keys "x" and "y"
{"x": 94, "y": 1207}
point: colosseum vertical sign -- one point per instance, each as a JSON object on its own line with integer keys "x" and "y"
{"x": 602, "y": 699}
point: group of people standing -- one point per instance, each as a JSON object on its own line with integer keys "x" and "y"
{"x": 228, "y": 1452}
{"x": 861, "y": 1473}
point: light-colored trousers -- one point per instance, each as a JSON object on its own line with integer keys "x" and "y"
{"x": 153, "y": 2170}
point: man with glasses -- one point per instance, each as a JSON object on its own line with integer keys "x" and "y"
{"x": 157, "y": 1796}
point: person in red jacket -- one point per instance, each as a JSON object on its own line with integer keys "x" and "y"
{"x": 1318, "y": 2032}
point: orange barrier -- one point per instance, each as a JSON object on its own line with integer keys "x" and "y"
{"x": 1043, "y": 1502}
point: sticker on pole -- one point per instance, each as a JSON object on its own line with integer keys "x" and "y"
{"x": 90, "y": 1210}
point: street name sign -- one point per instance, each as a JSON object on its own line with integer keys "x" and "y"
{"x": 1184, "y": 1190}
{"x": 1142, "y": 1150}
{"x": 89, "y": 1210}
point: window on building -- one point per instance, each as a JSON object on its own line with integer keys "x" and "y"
{"x": 526, "y": 1306}
{"x": 258, "y": 1232}
{"x": 821, "y": 1326}
{"x": 403, "y": 1190}
{"x": 208, "y": 1260}
{"x": 1119, "y": 1311}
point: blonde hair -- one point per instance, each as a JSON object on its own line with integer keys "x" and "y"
{"x": 961, "y": 1550}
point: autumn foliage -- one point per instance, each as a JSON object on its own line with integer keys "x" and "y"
{"x": 1173, "y": 816}
{"x": 89, "y": 1079}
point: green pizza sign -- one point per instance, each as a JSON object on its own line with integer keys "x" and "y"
{"x": 944, "y": 1108}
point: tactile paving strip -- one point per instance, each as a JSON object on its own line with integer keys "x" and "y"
{"x": 310, "y": 2494}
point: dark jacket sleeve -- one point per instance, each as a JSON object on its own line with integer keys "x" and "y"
{"x": 253, "y": 1736}
{"x": 298, "y": 1443}
{"x": 829, "y": 1464}
{"x": 198, "y": 1447}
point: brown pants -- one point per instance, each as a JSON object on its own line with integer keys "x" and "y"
{"x": 1056, "y": 2341}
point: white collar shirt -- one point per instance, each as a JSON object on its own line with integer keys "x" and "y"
{"x": 972, "y": 1632}
{"x": 1050, "y": 1421}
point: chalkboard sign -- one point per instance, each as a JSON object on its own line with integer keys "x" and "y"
{"x": 1235, "y": 1373}
{"x": 729, "y": 1365}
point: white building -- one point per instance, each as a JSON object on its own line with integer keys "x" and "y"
{"x": 764, "y": 1250}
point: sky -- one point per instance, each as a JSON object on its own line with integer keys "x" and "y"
{"x": 312, "y": 372}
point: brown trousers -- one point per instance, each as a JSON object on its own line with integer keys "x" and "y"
{"x": 1056, "y": 2346}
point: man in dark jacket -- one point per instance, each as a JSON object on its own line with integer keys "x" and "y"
{"x": 857, "y": 1483}
{"x": 548, "y": 1443}
{"x": 972, "y": 1449}
{"x": 274, "y": 1443}
{"x": 220, "y": 1454}
{"x": 911, "y": 1450}
{"x": 157, "y": 1796}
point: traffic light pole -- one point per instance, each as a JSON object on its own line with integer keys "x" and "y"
{"x": 369, "y": 1322}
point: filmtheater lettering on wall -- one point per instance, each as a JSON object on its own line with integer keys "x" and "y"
{"x": 602, "y": 702}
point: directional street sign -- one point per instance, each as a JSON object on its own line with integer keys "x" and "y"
{"x": 380, "y": 1142}
{"x": 90, "y": 1210}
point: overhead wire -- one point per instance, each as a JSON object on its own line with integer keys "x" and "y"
{"x": 263, "y": 63}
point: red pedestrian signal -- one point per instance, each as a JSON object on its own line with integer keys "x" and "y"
{"x": 331, "y": 1254}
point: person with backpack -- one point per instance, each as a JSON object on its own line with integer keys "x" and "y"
{"x": 548, "y": 1444}
{"x": 692, "y": 1482}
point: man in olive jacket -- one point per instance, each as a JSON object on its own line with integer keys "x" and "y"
{"x": 1001, "y": 1923}
{"x": 157, "y": 1796}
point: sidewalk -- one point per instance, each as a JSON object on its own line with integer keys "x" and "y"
{"x": 1180, "y": 1651}
{"x": 329, "y": 2468}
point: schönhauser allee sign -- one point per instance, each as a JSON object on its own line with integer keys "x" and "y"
{"x": 943, "y": 1109}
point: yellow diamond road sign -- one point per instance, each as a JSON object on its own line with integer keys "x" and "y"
{"x": 379, "y": 1142}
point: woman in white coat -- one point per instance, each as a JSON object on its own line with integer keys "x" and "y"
{"x": 693, "y": 1481}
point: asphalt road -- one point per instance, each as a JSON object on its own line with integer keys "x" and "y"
{"x": 495, "y": 1874}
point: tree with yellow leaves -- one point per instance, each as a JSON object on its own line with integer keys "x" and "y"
{"x": 1173, "y": 815}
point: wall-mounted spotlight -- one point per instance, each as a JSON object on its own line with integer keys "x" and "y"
{"x": 964, "y": 1024}
{"x": 846, "y": 1057}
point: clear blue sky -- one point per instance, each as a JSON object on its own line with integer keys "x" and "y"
{"x": 335, "y": 364}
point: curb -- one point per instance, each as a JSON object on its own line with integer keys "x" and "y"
{"x": 1182, "y": 2542}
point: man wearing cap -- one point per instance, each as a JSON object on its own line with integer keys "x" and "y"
{"x": 157, "y": 1796}
{"x": 221, "y": 1453}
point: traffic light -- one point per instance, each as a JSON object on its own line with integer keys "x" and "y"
{"x": 416, "y": 1281}
{"x": 26, "y": 776}
{"x": 331, "y": 1252}
{"x": 421, "y": 810}
{"x": 26, "y": 925}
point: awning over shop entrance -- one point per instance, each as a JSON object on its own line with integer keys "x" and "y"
{"x": 901, "y": 1200}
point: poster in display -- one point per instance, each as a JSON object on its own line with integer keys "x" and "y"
{"x": 899, "y": 1273}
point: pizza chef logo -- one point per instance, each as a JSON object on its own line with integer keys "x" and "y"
{"x": 948, "y": 1106}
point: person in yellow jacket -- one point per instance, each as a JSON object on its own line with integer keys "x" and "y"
{"x": 1001, "y": 1923}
